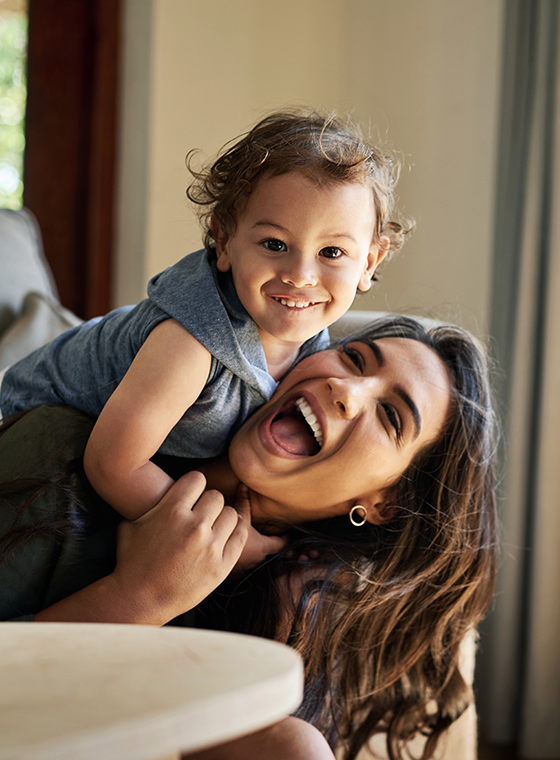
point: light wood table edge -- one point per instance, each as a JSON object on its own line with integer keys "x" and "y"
{"x": 166, "y": 732}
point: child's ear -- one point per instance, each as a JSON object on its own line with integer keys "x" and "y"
{"x": 221, "y": 238}
{"x": 375, "y": 256}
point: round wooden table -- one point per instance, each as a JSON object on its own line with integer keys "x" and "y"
{"x": 118, "y": 692}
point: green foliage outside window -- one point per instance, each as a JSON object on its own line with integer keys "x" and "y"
{"x": 13, "y": 90}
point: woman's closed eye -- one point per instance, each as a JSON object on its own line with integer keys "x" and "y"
{"x": 355, "y": 357}
{"x": 274, "y": 245}
{"x": 391, "y": 412}
{"x": 394, "y": 419}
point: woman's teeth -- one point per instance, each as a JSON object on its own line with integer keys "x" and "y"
{"x": 311, "y": 419}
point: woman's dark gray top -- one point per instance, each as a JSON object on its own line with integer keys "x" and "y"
{"x": 46, "y": 444}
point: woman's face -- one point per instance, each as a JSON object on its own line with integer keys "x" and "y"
{"x": 340, "y": 430}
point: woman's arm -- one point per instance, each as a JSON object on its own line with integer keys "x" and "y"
{"x": 166, "y": 377}
{"x": 292, "y": 737}
{"x": 168, "y": 560}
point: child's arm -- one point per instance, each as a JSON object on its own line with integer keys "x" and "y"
{"x": 166, "y": 377}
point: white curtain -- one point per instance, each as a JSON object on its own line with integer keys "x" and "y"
{"x": 518, "y": 676}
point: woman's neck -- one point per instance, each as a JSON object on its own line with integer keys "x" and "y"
{"x": 219, "y": 476}
{"x": 218, "y": 472}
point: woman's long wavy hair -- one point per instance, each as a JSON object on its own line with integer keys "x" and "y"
{"x": 381, "y": 619}
{"x": 325, "y": 148}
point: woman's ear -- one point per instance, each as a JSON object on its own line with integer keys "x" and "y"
{"x": 221, "y": 238}
{"x": 382, "y": 513}
{"x": 375, "y": 256}
{"x": 380, "y": 509}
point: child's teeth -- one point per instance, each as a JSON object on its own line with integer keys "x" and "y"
{"x": 292, "y": 304}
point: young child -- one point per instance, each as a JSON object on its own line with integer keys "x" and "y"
{"x": 296, "y": 219}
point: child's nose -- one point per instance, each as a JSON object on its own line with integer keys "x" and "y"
{"x": 299, "y": 273}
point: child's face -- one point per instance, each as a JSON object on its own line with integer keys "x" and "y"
{"x": 299, "y": 253}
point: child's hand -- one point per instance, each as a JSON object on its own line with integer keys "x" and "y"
{"x": 257, "y": 546}
{"x": 176, "y": 554}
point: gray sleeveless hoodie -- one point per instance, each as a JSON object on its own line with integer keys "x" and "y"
{"x": 83, "y": 366}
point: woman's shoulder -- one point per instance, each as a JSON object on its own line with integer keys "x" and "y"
{"x": 41, "y": 438}
{"x": 44, "y": 417}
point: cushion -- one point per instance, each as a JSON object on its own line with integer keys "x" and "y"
{"x": 355, "y": 320}
{"x": 22, "y": 263}
{"x": 41, "y": 319}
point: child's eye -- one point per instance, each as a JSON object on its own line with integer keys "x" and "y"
{"x": 393, "y": 418}
{"x": 355, "y": 356}
{"x": 331, "y": 253}
{"x": 276, "y": 246}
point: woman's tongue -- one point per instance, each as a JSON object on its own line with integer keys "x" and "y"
{"x": 294, "y": 435}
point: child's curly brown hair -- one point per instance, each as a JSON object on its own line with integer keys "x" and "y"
{"x": 324, "y": 148}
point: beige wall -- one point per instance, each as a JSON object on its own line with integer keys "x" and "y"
{"x": 423, "y": 75}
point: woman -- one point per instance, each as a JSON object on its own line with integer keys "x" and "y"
{"x": 393, "y": 429}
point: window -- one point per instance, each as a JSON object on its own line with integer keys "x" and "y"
{"x": 13, "y": 92}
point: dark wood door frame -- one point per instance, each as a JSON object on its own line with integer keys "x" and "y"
{"x": 71, "y": 143}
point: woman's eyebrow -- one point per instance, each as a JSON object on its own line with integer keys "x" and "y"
{"x": 380, "y": 358}
{"x": 378, "y": 353}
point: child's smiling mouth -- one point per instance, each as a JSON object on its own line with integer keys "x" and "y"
{"x": 295, "y": 304}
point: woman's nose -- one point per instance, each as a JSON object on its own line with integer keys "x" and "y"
{"x": 299, "y": 272}
{"x": 348, "y": 395}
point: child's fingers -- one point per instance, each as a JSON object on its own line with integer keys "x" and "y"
{"x": 183, "y": 494}
{"x": 257, "y": 546}
{"x": 208, "y": 506}
{"x": 273, "y": 544}
{"x": 235, "y": 543}
{"x": 226, "y": 523}
{"x": 313, "y": 554}
{"x": 242, "y": 502}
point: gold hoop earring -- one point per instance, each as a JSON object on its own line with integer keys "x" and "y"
{"x": 358, "y": 523}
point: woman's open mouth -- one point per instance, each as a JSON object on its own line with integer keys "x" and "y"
{"x": 296, "y": 429}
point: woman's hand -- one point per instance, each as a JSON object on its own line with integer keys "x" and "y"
{"x": 257, "y": 546}
{"x": 176, "y": 554}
